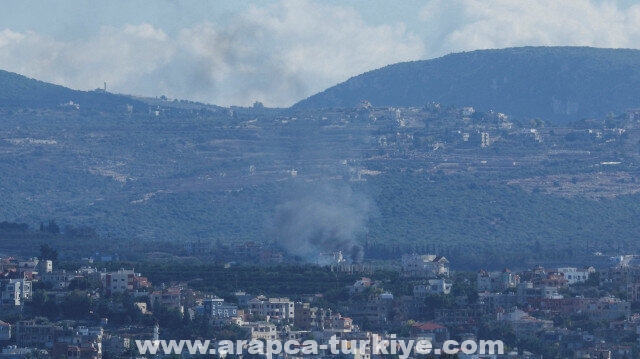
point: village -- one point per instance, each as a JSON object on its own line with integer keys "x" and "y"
{"x": 93, "y": 313}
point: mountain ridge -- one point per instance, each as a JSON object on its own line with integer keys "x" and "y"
{"x": 19, "y": 91}
{"x": 560, "y": 84}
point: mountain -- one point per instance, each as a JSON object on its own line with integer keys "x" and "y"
{"x": 20, "y": 92}
{"x": 199, "y": 180}
{"x": 560, "y": 84}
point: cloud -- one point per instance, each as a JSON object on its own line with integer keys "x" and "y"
{"x": 118, "y": 55}
{"x": 283, "y": 51}
{"x": 277, "y": 54}
{"x": 459, "y": 25}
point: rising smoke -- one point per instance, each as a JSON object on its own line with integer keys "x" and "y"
{"x": 322, "y": 220}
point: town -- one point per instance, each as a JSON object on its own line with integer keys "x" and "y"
{"x": 93, "y": 311}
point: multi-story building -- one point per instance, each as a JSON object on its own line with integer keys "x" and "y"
{"x": 280, "y": 308}
{"x": 123, "y": 281}
{"x": 262, "y": 330}
{"x": 217, "y": 308}
{"x": 575, "y": 275}
{"x": 59, "y": 279}
{"x": 432, "y": 287}
{"x": 305, "y": 316}
{"x": 30, "y": 333}
{"x": 424, "y": 266}
{"x": 497, "y": 281}
{"x": 15, "y": 291}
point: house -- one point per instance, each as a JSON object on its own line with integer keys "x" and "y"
{"x": 497, "y": 281}
{"x": 81, "y": 343}
{"x": 433, "y": 287}
{"x": 374, "y": 311}
{"x": 169, "y": 298}
{"x": 123, "y": 281}
{"x": 341, "y": 324}
{"x": 262, "y": 330}
{"x": 604, "y": 309}
{"x": 217, "y": 308}
{"x": 575, "y": 275}
{"x": 59, "y": 279}
{"x": 29, "y": 265}
{"x": 424, "y": 266}
{"x": 433, "y": 332}
{"x": 362, "y": 285}
{"x": 523, "y": 325}
{"x": 527, "y": 290}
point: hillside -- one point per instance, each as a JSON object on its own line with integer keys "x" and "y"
{"x": 560, "y": 84}
{"x": 181, "y": 178}
{"x": 20, "y": 92}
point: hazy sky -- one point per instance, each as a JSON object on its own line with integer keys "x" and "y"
{"x": 278, "y": 51}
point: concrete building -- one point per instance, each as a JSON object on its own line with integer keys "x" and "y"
{"x": 433, "y": 287}
{"x": 497, "y": 281}
{"x": 217, "y": 308}
{"x": 123, "y": 281}
{"x": 15, "y": 291}
{"x": 424, "y": 266}
{"x": 575, "y": 275}
{"x": 277, "y": 308}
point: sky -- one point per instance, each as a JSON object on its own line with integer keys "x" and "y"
{"x": 278, "y": 52}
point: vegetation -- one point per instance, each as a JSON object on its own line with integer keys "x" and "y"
{"x": 482, "y": 188}
{"x": 557, "y": 83}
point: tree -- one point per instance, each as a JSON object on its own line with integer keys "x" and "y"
{"x": 48, "y": 253}
{"x": 76, "y": 305}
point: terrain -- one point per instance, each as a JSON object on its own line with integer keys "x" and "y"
{"x": 560, "y": 84}
{"x": 162, "y": 177}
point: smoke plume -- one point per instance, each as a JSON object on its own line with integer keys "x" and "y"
{"x": 322, "y": 220}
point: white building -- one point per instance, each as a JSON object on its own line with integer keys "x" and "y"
{"x": 281, "y": 308}
{"x": 434, "y": 286}
{"x": 575, "y": 275}
{"x": 217, "y": 308}
{"x": 15, "y": 291}
{"x": 497, "y": 281}
{"x": 124, "y": 280}
{"x": 262, "y": 330}
{"x": 424, "y": 266}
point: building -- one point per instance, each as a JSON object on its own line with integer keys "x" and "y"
{"x": 375, "y": 311}
{"x": 362, "y": 285}
{"x": 575, "y": 275}
{"x": 123, "y": 281}
{"x": 217, "y": 308}
{"x": 15, "y": 291}
{"x": 497, "y": 281}
{"x": 433, "y": 287}
{"x": 169, "y": 298}
{"x": 5, "y": 331}
{"x": 523, "y": 325}
{"x": 31, "y": 333}
{"x": 277, "y": 308}
{"x": 435, "y": 333}
{"x": 59, "y": 279}
{"x": 424, "y": 266}
{"x": 305, "y": 317}
{"x": 262, "y": 330}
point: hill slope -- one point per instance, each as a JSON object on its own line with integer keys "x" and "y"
{"x": 557, "y": 83}
{"x": 18, "y": 91}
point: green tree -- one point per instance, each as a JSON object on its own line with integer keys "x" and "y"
{"x": 76, "y": 305}
{"x": 48, "y": 253}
